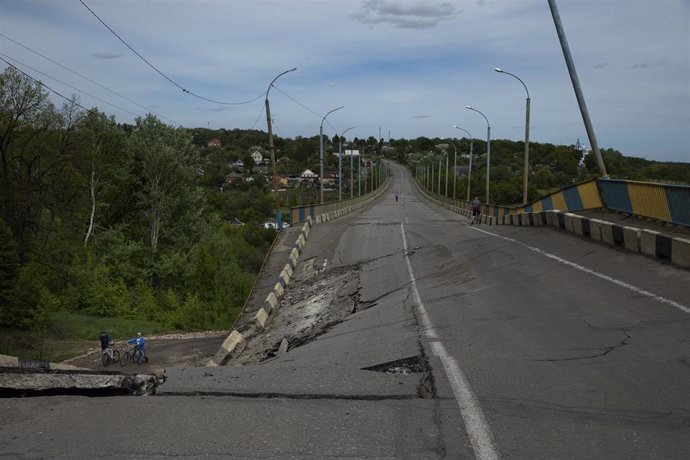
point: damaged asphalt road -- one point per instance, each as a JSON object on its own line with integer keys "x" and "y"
{"x": 560, "y": 363}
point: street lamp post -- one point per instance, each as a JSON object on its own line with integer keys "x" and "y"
{"x": 446, "y": 192}
{"x": 527, "y": 104}
{"x": 359, "y": 175}
{"x": 455, "y": 167}
{"x": 488, "y": 150}
{"x": 340, "y": 165}
{"x": 469, "y": 173}
{"x": 321, "y": 149}
{"x": 279, "y": 219}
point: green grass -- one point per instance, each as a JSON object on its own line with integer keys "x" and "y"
{"x": 70, "y": 334}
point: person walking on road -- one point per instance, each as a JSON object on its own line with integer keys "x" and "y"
{"x": 476, "y": 210}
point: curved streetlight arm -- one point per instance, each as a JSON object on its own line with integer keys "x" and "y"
{"x": 274, "y": 80}
{"x": 324, "y": 117}
{"x": 462, "y": 129}
{"x": 487, "y": 120}
{"x": 514, "y": 76}
{"x": 348, "y": 129}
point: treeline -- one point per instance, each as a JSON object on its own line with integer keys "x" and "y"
{"x": 551, "y": 166}
{"x": 112, "y": 220}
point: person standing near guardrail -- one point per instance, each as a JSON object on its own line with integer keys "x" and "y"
{"x": 476, "y": 210}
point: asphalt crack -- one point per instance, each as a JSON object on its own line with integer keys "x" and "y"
{"x": 606, "y": 351}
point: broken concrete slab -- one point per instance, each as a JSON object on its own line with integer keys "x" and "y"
{"x": 27, "y": 382}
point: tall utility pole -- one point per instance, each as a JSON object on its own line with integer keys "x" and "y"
{"x": 321, "y": 149}
{"x": 488, "y": 150}
{"x": 577, "y": 88}
{"x": 527, "y": 104}
{"x": 271, "y": 147}
{"x": 340, "y": 165}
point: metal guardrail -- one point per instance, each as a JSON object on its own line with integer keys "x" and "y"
{"x": 663, "y": 202}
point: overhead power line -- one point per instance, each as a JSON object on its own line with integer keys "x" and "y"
{"x": 305, "y": 107}
{"x": 87, "y": 78}
{"x": 66, "y": 84}
{"x": 184, "y": 90}
{"x": 41, "y": 83}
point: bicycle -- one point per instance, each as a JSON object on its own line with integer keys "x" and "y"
{"x": 110, "y": 355}
{"x": 133, "y": 355}
{"x": 476, "y": 218}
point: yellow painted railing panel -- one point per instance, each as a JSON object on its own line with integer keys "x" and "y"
{"x": 649, "y": 200}
{"x": 559, "y": 201}
{"x": 589, "y": 194}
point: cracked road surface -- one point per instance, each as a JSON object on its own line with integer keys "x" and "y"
{"x": 560, "y": 363}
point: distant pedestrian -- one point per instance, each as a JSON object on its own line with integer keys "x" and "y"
{"x": 396, "y": 197}
{"x": 476, "y": 210}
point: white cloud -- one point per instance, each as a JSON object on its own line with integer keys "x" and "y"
{"x": 404, "y": 14}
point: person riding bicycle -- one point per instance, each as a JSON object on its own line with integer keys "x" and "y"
{"x": 476, "y": 210}
{"x": 139, "y": 347}
{"x": 106, "y": 342}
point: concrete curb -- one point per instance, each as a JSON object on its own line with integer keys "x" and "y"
{"x": 647, "y": 242}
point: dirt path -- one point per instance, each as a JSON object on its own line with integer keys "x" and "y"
{"x": 164, "y": 351}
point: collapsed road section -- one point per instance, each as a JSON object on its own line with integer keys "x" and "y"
{"x": 19, "y": 382}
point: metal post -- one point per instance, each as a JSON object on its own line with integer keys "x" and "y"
{"x": 488, "y": 151}
{"x": 469, "y": 172}
{"x": 576, "y": 87}
{"x": 446, "y": 193}
{"x": 321, "y": 149}
{"x": 271, "y": 147}
{"x": 439, "y": 176}
{"x": 359, "y": 175}
{"x": 526, "y": 166}
{"x": 340, "y": 168}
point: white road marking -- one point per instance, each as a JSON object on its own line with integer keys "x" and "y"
{"x": 477, "y": 428}
{"x": 618, "y": 282}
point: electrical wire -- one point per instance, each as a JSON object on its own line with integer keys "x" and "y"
{"x": 87, "y": 79}
{"x": 305, "y": 107}
{"x": 184, "y": 90}
{"x": 67, "y": 85}
{"x": 42, "y": 84}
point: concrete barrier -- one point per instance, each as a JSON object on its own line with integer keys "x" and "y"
{"x": 576, "y": 224}
{"x": 631, "y": 238}
{"x": 680, "y": 252}
{"x": 595, "y": 229}
{"x": 648, "y": 242}
{"x": 278, "y": 290}
{"x": 232, "y": 346}
{"x": 272, "y": 301}
{"x": 538, "y": 219}
{"x": 606, "y": 230}
{"x": 284, "y": 278}
{"x": 261, "y": 318}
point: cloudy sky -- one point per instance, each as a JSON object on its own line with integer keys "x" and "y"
{"x": 407, "y": 67}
